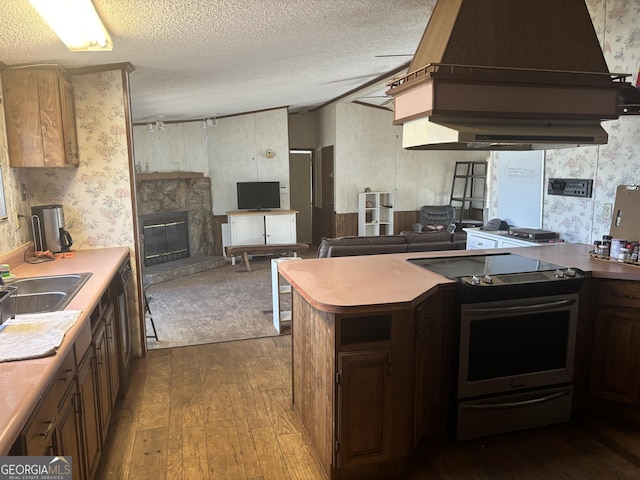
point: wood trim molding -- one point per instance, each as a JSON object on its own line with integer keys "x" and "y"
{"x": 125, "y": 66}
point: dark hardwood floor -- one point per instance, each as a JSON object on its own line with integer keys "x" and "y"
{"x": 223, "y": 411}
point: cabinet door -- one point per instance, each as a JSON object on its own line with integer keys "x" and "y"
{"x": 475, "y": 242}
{"x": 247, "y": 230}
{"x": 280, "y": 229}
{"x": 112, "y": 353}
{"x": 102, "y": 366}
{"x": 88, "y": 391}
{"x": 364, "y": 407}
{"x": 40, "y": 118}
{"x": 431, "y": 393}
{"x": 69, "y": 133}
{"x": 615, "y": 365}
{"x": 51, "y": 119}
{"x": 22, "y": 114}
{"x": 69, "y": 432}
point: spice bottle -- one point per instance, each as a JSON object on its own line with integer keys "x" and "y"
{"x": 606, "y": 245}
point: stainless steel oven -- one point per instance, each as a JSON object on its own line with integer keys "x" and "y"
{"x": 516, "y": 334}
{"x": 515, "y": 364}
{"x": 515, "y": 344}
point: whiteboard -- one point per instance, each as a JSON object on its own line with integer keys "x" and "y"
{"x": 520, "y": 183}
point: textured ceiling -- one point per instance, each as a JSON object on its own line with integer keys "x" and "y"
{"x": 199, "y": 58}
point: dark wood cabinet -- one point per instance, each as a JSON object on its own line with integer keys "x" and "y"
{"x": 73, "y": 417}
{"x": 90, "y": 409}
{"x": 112, "y": 353}
{"x": 102, "y": 367}
{"x": 615, "y": 364}
{"x": 69, "y": 430}
{"x": 369, "y": 385}
{"x": 364, "y": 407}
{"x": 432, "y": 379}
{"x": 40, "y": 117}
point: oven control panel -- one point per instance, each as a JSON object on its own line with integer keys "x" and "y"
{"x": 521, "y": 278}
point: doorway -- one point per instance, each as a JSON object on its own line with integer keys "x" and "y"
{"x": 300, "y": 181}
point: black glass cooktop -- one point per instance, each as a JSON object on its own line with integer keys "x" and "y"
{"x": 479, "y": 265}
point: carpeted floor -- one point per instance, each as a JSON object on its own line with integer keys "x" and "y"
{"x": 219, "y": 305}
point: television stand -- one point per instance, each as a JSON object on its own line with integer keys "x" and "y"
{"x": 264, "y": 227}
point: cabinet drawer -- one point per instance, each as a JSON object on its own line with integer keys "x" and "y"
{"x": 40, "y": 428}
{"x": 38, "y": 435}
{"x": 61, "y": 380}
{"x": 619, "y": 293}
{"x": 474, "y": 242}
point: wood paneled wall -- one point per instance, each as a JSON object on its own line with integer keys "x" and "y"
{"x": 218, "y": 220}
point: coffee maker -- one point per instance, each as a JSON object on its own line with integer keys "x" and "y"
{"x": 47, "y": 222}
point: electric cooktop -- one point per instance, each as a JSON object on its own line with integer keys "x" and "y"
{"x": 504, "y": 275}
{"x": 480, "y": 265}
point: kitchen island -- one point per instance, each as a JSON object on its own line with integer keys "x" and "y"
{"x": 24, "y": 383}
{"x": 372, "y": 352}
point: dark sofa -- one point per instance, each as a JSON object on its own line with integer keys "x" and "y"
{"x": 402, "y": 243}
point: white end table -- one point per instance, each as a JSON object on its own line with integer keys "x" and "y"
{"x": 279, "y": 286}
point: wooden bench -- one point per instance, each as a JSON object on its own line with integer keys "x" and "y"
{"x": 264, "y": 249}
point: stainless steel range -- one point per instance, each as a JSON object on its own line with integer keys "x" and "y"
{"x": 516, "y": 340}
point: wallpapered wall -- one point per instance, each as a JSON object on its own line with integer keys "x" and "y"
{"x": 618, "y": 162}
{"x": 96, "y": 196}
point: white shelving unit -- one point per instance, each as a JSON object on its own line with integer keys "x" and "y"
{"x": 375, "y": 213}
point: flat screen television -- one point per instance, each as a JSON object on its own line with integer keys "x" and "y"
{"x": 258, "y": 195}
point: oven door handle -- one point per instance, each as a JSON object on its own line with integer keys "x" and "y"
{"x": 532, "y": 401}
{"x": 520, "y": 308}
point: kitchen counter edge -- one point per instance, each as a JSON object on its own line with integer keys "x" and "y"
{"x": 367, "y": 283}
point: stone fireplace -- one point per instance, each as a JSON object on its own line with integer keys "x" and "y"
{"x": 174, "y": 207}
{"x": 166, "y": 237}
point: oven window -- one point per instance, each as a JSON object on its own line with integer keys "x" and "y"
{"x": 516, "y": 345}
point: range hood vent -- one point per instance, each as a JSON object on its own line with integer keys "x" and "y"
{"x": 506, "y": 74}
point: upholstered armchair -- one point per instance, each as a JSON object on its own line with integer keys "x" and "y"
{"x": 436, "y": 217}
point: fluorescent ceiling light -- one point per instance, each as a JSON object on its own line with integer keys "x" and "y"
{"x": 76, "y": 22}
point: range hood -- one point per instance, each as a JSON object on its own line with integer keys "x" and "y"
{"x": 507, "y": 75}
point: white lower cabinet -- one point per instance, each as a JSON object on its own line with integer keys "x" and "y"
{"x": 255, "y": 228}
{"x": 479, "y": 239}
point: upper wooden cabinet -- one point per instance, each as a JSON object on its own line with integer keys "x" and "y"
{"x": 40, "y": 117}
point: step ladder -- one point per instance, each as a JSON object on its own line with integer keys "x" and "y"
{"x": 468, "y": 193}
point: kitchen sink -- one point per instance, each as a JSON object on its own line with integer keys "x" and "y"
{"x": 47, "y": 293}
{"x": 40, "y": 302}
{"x": 53, "y": 283}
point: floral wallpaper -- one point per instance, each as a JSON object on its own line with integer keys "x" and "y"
{"x": 96, "y": 196}
{"x": 618, "y": 162}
